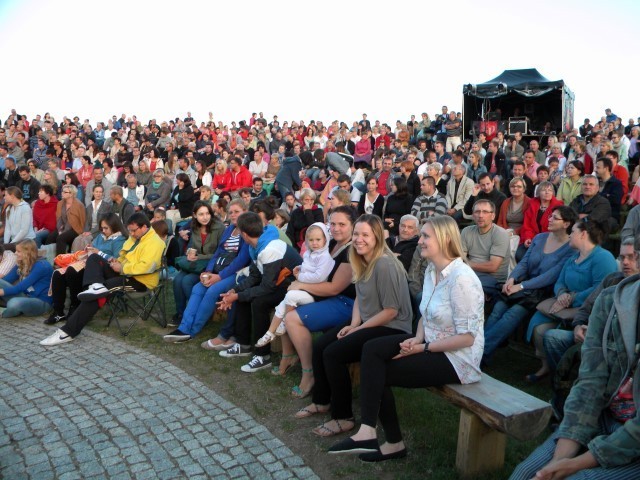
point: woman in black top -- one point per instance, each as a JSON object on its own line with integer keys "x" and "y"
{"x": 398, "y": 203}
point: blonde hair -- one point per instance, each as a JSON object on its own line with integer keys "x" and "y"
{"x": 361, "y": 269}
{"x": 29, "y": 257}
{"x": 447, "y": 235}
{"x": 343, "y": 196}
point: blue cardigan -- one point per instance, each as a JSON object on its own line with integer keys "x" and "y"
{"x": 34, "y": 285}
{"x": 238, "y": 263}
{"x": 584, "y": 277}
{"x": 538, "y": 269}
{"x": 109, "y": 247}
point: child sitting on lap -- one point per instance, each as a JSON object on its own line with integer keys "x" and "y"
{"x": 316, "y": 267}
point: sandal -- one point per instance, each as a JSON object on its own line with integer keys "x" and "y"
{"x": 309, "y": 410}
{"x": 282, "y": 329}
{"x": 324, "y": 431}
{"x": 266, "y": 339}
{"x": 297, "y": 392}
{"x": 276, "y": 370}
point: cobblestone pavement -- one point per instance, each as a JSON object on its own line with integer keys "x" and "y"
{"x": 99, "y": 408}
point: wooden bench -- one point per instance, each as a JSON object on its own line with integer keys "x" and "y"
{"x": 491, "y": 410}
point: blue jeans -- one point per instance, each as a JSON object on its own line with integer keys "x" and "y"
{"x": 183, "y": 282}
{"x": 556, "y": 343}
{"x": 313, "y": 174}
{"x": 489, "y": 284}
{"x": 201, "y": 306}
{"x": 41, "y": 236}
{"x": 360, "y": 186}
{"x": 20, "y": 304}
{"x": 502, "y": 322}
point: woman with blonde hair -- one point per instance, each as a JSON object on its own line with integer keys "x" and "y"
{"x": 446, "y": 349}
{"x": 25, "y": 289}
{"x": 382, "y": 307}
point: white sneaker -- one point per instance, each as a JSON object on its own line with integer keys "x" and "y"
{"x": 57, "y": 338}
{"x": 95, "y": 291}
{"x": 257, "y": 363}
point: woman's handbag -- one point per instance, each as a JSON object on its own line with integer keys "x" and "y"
{"x": 565, "y": 315}
{"x": 187, "y": 266}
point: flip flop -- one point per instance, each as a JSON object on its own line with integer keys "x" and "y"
{"x": 324, "y": 431}
{"x": 307, "y": 412}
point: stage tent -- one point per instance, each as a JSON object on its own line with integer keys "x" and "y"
{"x": 518, "y": 93}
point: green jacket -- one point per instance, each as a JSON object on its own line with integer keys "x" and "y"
{"x": 608, "y": 354}
{"x": 207, "y": 250}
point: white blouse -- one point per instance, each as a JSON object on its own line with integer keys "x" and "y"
{"x": 452, "y": 307}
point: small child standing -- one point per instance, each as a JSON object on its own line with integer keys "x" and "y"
{"x": 316, "y": 267}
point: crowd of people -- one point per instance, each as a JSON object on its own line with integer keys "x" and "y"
{"x": 393, "y": 243}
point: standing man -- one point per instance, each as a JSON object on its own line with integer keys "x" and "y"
{"x": 453, "y": 127}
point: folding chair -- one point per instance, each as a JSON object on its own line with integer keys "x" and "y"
{"x": 148, "y": 304}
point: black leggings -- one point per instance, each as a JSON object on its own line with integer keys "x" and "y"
{"x": 331, "y": 359}
{"x": 378, "y": 373}
{"x": 59, "y": 283}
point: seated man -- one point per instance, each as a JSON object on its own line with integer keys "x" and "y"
{"x": 590, "y": 203}
{"x": 405, "y": 243}
{"x": 486, "y": 246}
{"x": 430, "y": 202}
{"x": 459, "y": 189}
{"x": 270, "y": 273}
{"x": 484, "y": 190}
{"x": 598, "y": 436}
{"x": 632, "y": 225}
{"x": 139, "y": 259}
{"x": 611, "y": 189}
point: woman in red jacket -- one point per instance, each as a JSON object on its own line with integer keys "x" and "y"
{"x": 536, "y": 217}
{"x": 221, "y": 177}
{"x": 44, "y": 213}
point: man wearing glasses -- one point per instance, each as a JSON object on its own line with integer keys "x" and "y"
{"x": 139, "y": 260}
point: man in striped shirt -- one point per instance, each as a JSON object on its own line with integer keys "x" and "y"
{"x": 430, "y": 203}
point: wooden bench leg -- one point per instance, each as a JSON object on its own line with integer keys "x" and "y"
{"x": 480, "y": 448}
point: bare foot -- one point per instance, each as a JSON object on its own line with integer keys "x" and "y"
{"x": 388, "y": 448}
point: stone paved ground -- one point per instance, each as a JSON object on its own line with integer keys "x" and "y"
{"x": 97, "y": 408}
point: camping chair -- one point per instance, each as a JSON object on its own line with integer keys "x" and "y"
{"x": 148, "y": 304}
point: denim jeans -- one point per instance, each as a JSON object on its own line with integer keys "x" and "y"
{"x": 183, "y": 283}
{"x": 41, "y": 236}
{"x": 556, "y": 343}
{"x": 20, "y": 304}
{"x": 313, "y": 174}
{"x": 202, "y": 304}
{"x": 502, "y": 322}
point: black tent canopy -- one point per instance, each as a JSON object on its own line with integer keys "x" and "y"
{"x": 519, "y": 93}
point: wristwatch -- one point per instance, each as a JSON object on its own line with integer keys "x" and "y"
{"x": 426, "y": 347}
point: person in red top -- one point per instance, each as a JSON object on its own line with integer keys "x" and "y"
{"x": 363, "y": 152}
{"x": 383, "y": 138}
{"x": 240, "y": 176}
{"x": 44, "y": 213}
{"x": 536, "y": 216}
{"x": 221, "y": 176}
{"x": 620, "y": 173}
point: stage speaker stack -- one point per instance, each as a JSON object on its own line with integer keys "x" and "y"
{"x": 518, "y": 124}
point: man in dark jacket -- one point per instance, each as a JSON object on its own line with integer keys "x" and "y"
{"x": 289, "y": 174}
{"x": 28, "y": 185}
{"x": 120, "y": 205}
{"x": 270, "y": 274}
{"x": 405, "y": 243}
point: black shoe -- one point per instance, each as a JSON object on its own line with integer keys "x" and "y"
{"x": 175, "y": 320}
{"x": 176, "y": 337}
{"x": 380, "y": 457}
{"x": 349, "y": 445}
{"x": 55, "y": 318}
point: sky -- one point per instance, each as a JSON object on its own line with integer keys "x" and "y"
{"x": 306, "y": 60}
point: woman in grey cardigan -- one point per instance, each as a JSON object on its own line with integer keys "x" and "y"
{"x": 158, "y": 193}
{"x": 19, "y": 219}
